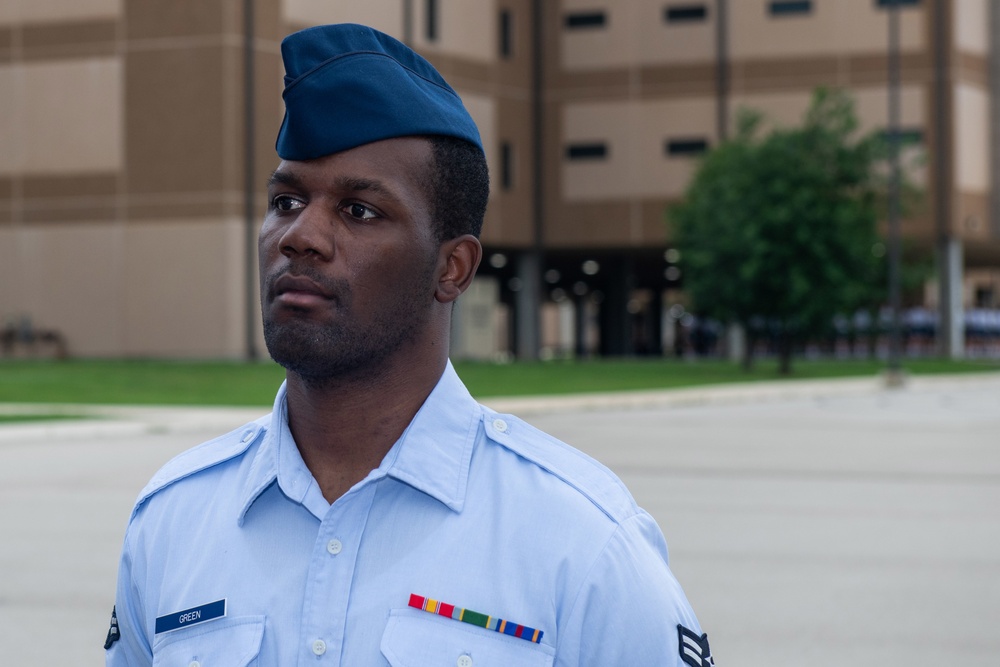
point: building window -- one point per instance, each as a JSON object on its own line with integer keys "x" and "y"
{"x": 985, "y": 297}
{"x": 790, "y": 7}
{"x": 685, "y": 13}
{"x": 506, "y": 165}
{"x": 685, "y": 147}
{"x": 432, "y": 20}
{"x": 506, "y": 34}
{"x": 591, "y": 151}
{"x": 586, "y": 20}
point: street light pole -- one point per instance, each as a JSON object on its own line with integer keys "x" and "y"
{"x": 249, "y": 184}
{"x": 408, "y": 23}
{"x": 894, "y": 188}
{"x": 722, "y": 70}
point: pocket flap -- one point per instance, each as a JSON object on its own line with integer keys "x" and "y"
{"x": 417, "y": 639}
{"x": 227, "y": 642}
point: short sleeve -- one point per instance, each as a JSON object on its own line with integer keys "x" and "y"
{"x": 131, "y": 649}
{"x": 630, "y": 605}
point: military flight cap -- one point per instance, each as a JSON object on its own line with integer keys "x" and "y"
{"x": 348, "y": 85}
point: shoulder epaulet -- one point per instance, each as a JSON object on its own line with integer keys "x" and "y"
{"x": 202, "y": 457}
{"x": 588, "y": 476}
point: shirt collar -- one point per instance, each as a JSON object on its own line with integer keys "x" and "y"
{"x": 432, "y": 455}
{"x": 264, "y": 468}
{"x": 435, "y": 450}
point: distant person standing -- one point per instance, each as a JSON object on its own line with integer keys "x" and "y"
{"x": 379, "y": 515}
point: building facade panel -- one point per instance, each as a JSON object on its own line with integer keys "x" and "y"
{"x": 61, "y": 40}
{"x": 597, "y": 151}
{"x": 458, "y": 28}
{"x": 841, "y": 27}
{"x": 509, "y": 215}
{"x": 613, "y": 223}
{"x": 636, "y": 32}
{"x": 67, "y": 278}
{"x": 672, "y": 135}
{"x": 972, "y": 216}
{"x": 482, "y": 108}
{"x": 61, "y": 116}
{"x": 384, "y": 15}
{"x": 174, "y": 118}
{"x": 31, "y": 11}
{"x": 594, "y": 35}
{"x": 11, "y": 122}
{"x": 155, "y": 19}
{"x": 676, "y": 32}
{"x": 189, "y": 308}
{"x": 972, "y": 26}
{"x": 515, "y": 48}
{"x": 650, "y": 147}
{"x": 972, "y": 138}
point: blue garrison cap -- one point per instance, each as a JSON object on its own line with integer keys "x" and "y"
{"x": 348, "y": 85}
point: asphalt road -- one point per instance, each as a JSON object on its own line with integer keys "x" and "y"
{"x": 813, "y": 524}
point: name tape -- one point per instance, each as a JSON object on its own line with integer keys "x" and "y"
{"x": 192, "y": 616}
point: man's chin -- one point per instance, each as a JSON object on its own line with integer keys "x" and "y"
{"x": 314, "y": 353}
{"x": 292, "y": 343}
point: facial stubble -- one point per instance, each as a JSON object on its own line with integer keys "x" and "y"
{"x": 323, "y": 351}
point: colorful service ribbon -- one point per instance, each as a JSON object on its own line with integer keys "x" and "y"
{"x": 475, "y": 618}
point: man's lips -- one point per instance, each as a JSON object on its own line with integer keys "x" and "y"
{"x": 298, "y": 291}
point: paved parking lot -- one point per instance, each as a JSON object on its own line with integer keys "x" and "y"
{"x": 811, "y": 524}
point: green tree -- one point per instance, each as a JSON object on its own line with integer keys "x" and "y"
{"x": 777, "y": 232}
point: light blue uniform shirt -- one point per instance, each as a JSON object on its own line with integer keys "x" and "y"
{"x": 469, "y": 507}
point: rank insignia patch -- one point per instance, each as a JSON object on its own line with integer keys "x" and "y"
{"x": 113, "y": 634}
{"x": 693, "y": 649}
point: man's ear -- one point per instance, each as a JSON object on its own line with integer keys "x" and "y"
{"x": 459, "y": 259}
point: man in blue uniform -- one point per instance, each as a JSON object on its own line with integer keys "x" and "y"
{"x": 379, "y": 515}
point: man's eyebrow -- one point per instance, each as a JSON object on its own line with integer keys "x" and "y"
{"x": 283, "y": 178}
{"x": 341, "y": 183}
{"x": 361, "y": 184}
{"x": 351, "y": 183}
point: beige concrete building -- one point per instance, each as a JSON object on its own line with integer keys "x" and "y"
{"x": 124, "y": 161}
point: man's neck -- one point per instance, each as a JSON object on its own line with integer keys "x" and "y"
{"x": 345, "y": 428}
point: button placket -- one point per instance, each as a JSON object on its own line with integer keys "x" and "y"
{"x": 331, "y": 568}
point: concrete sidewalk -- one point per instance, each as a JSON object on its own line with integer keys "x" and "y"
{"x": 819, "y": 523}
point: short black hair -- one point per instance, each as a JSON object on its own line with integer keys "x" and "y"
{"x": 459, "y": 187}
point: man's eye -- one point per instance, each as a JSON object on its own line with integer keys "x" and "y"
{"x": 285, "y": 203}
{"x": 360, "y": 211}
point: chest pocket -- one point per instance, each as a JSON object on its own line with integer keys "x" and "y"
{"x": 227, "y": 642}
{"x": 417, "y": 639}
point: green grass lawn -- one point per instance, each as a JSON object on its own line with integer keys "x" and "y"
{"x": 37, "y": 417}
{"x": 233, "y": 383}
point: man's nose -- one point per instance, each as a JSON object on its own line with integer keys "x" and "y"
{"x": 309, "y": 234}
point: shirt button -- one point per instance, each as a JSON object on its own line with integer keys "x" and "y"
{"x": 319, "y": 647}
{"x": 195, "y": 663}
{"x": 501, "y": 426}
{"x": 464, "y": 661}
{"x": 334, "y": 547}
{"x": 248, "y": 436}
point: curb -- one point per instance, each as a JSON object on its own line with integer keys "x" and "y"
{"x": 123, "y": 420}
{"x": 739, "y": 393}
